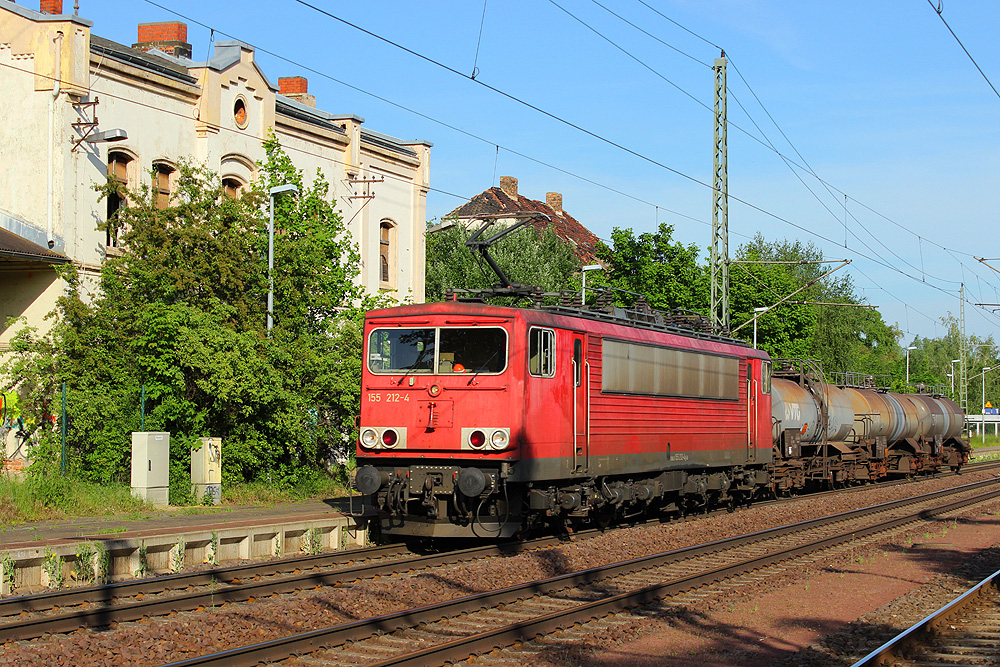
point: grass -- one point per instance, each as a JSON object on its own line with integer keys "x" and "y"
{"x": 31, "y": 500}
{"x": 991, "y": 440}
{"x": 264, "y": 493}
{"x": 26, "y": 500}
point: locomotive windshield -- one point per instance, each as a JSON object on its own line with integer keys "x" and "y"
{"x": 438, "y": 350}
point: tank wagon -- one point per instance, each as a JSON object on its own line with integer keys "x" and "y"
{"x": 843, "y": 434}
{"x": 480, "y": 420}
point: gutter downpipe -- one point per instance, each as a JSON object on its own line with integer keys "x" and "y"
{"x": 52, "y": 130}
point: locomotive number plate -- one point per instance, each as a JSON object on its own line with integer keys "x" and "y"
{"x": 389, "y": 397}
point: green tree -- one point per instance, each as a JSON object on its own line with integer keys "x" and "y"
{"x": 526, "y": 256}
{"x": 182, "y": 313}
{"x": 653, "y": 264}
{"x": 843, "y": 337}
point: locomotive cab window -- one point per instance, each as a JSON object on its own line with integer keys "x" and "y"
{"x": 438, "y": 350}
{"x": 476, "y": 350}
{"x": 541, "y": 352}
{"x": 765, "y": 377}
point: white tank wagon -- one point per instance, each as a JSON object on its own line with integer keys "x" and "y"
{"x": 854, "y": 434}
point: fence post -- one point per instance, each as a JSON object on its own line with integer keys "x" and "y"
{"x": 63, "y": 422}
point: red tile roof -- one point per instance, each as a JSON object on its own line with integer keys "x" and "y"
{"x": 495, "y": 201}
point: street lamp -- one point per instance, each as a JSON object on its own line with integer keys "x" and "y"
{"x": 912, "y": 347}
{"x": 756, "y": 310}
{"x": 276, "y": 190}
{"x": 952, "y": 376}
{"x": 583, "y": 291}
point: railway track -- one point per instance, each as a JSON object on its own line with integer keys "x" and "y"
{"x": 454, "y": 630}
{"x": 67, "y": 610}
{"x": 100, "y": 606}
{"x": 964, "y": 632}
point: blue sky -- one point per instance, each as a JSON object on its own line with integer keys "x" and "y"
{"x": 878, "y": 98}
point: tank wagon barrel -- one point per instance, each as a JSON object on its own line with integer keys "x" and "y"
{"x": 859, "y": 433}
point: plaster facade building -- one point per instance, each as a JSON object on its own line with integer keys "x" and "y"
{"x": 67, "y": 96}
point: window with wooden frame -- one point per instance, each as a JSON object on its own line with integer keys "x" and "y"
{"x": 117, "y": 173}
{"x": 232, "y": 187}
{"x": 385, "y": 252}
{"x": 162, "y": 177}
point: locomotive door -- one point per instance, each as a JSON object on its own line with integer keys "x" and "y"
{"x": 580, "y": 380}
{"x": 753, "y": 389}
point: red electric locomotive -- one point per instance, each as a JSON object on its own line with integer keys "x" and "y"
{"x": 479, "y": 420}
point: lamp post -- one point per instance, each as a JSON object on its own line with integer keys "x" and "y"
{"x": 583, "y": 291}
{"x": 756, "y": 310}
{"x": 276, "y": 190}
{"x": 912, "y": 347}
{"x": 952, "y": 376}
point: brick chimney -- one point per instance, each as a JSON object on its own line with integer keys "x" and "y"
{"x": 509, "y": 185}
{"x": 50, "y": 6}
{"x": 167, "y": 36}
{"x": 296, "y": 88}
{"x": 554, "y": 200}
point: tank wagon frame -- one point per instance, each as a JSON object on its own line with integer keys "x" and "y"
{"x": 851, "y": 433}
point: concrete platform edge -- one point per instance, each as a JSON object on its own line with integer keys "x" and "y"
{"x": 29, "y": 570}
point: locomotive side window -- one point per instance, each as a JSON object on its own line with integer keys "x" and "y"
{"x": 577, "y": 362}
{"x": 765, "y": 377}
{"x": 629, "y": 368}
{"x": 541, "y": 352}
{"x": 438, "y": 350}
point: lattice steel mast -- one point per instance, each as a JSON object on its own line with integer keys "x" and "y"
{"x": 963, "y": 372}
{"x": 720, "y": 207}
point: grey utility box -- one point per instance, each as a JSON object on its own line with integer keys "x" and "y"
{"x": 151, "y": 467}
{"x": 206, "y": 470}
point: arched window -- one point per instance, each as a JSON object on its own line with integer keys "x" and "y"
{"x": 385, "y": 250}
{"x": 163, "y": 183}
{"x": 232, "y": 187}
{"x": 118, "y": 168}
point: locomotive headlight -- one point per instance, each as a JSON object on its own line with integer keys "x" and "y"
{"x": 499, "y": 440}
{"x": 477, "y": 439}
{"x": 389, "y": 438}
{"x": 369, "y": 438}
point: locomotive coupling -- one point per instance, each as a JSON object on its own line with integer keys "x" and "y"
{"x": 369, "y": 480}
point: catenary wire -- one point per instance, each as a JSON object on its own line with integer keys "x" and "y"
{"x": 553, "y": 116}
{"x": 767, "y": 143}
{"x": 940, "y": 12}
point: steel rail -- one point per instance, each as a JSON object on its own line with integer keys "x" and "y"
{"x": 923, "y": 632}
{"x": 462, "y": 648}
{"x": 108, "y": 592}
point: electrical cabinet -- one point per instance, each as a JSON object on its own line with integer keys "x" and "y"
{"x": 206, "y": 470}
{"x": 151, "y": 467}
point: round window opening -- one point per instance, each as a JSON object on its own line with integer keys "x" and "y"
{"x": 240, "y": 113}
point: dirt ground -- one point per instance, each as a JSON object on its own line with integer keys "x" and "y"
{"x": 768, "y": 628}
